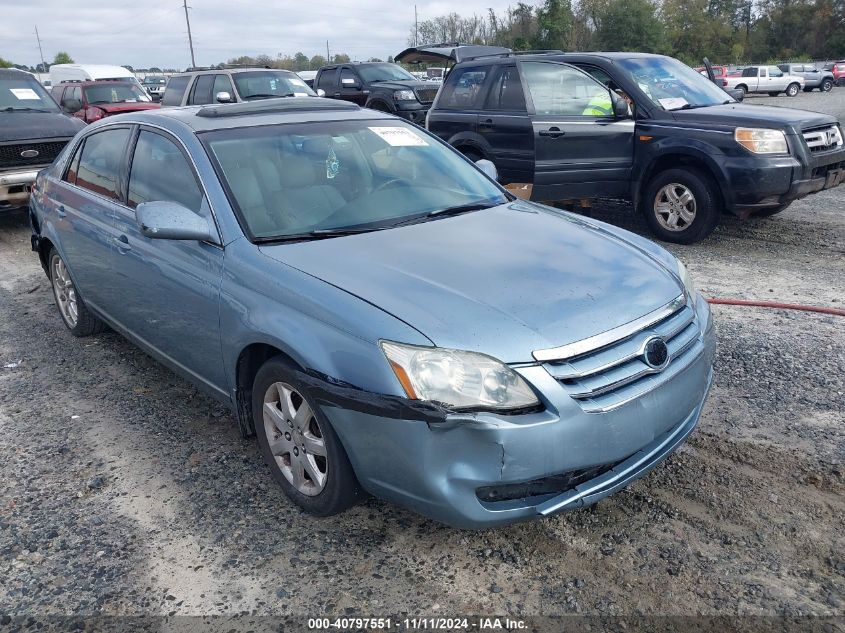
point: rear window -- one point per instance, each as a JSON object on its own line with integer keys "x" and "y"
{"x": 327, "y": 79}
{"x": 175, "y": 90}
{"x": 463, "y": 88}
{"x": 100, "y": 163}
{"x": 749, "y": 72}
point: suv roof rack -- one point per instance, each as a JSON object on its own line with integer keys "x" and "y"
{"x": 191, "y": 69}
{"x": 550, "y": 51}
{"x": 269, "y": 106}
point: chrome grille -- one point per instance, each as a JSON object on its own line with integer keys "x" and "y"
{"x": 823, "y": 139}
{"x": 426, "y": 95}
{"x": 615, "y": 373}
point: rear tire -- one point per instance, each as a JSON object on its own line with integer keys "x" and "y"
{"x": 299, "y": 444}
{"x": 742, "y": 89}
{"x": 766, "y": 213}
{"x": 682, "y": 205}
{"x": 792, "y": 90}
{"x": 75, "y": 314}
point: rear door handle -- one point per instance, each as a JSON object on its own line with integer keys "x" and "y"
{"x": 122, "y": 244}
{"x": 552, "y": 132}
{"x": 488, "y": 124}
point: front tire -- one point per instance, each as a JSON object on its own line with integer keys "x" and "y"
{"x": 75, "y": 314}
{"x": 296, "y": 440}
{"x": 827, "y": 85}
{"x": 681, "y": 205}
{"x": 792, "y": 90}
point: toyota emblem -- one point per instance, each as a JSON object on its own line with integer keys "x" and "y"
{"x": 29, "y": 153}
{"x": 656, "y": 353}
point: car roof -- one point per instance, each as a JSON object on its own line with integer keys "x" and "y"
{"x": 95, "y": 82}
{"x": 251, "y": 114}
{"x": 553, "y": 56}
{"x": 217, "y": 71}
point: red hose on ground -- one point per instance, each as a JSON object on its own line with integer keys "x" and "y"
{"x": 776, "y": 304}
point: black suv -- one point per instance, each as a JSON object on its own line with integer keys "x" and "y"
{"x": 33, "y": 130}
{"x": 201, "y": 86}
{"x": 379, "y": 86}
{"x": 681, "y": 148}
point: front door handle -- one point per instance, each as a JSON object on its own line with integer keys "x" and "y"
{"x": 60, "y": 211}
{"x": 487, "y": 123}
{"x": 552, "y": 132}
{"x": 123, "y": 244}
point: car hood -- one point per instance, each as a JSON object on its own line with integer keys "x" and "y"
{"x": 402, "y": 85}
{"x": 120, "y": 108}
{"x": 733, "y": 114}
{"x": 36, "y": 126}
{"x": 503, "y": 281}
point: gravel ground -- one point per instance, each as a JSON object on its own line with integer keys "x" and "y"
{"x": 125, "y": 491}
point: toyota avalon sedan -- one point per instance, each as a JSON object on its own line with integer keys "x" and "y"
{"x": 382, "y": 315}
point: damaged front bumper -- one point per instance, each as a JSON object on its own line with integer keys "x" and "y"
{"x": 483, "y": 469}
{"x": 15, "y": 186}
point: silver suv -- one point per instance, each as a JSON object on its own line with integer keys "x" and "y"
{"x": 813, "y": 77}
{"x": 202, "y": 86}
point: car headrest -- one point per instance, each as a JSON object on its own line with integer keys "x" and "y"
{"x": 297, "y": 171}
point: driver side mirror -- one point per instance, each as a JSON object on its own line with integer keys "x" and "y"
{"x": 620, "y": 106}
{"x": 223, "y": 97}
{"x": 488, "y": 168}
{"x": 72, "y": 106}
{"x": 165, "y": 220}
{"x": 350, "y": 83}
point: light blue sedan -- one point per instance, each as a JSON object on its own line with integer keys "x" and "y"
{"x": 382, "y": 315}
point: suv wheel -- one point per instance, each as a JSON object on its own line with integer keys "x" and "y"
{"x": 681, "y": 205}
{"x": 75, "y": 314}
{"x": 305, "y": 455}
{"x": 827, "y": 85}
{"x": 792, "y": 90}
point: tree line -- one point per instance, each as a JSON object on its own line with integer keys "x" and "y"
{"x": 725, "y": 31}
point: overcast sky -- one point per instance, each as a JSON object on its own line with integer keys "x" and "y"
{"x": 146, "y": 33}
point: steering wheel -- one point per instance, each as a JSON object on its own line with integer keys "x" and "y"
{"x": 388, "y": 184}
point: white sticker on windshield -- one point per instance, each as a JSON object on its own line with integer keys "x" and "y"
{"x": 673, "y": 103}
{"x": 400, "y": 136}
{"x": 24, "y": 93}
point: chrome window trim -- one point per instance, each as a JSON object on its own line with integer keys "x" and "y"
{"x": 565, "y": 352}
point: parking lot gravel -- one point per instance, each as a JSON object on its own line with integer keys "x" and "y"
{"x": 123, "y": 490}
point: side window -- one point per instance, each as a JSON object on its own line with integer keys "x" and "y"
{"x": 749, "y": 72}
{"x": 506, "y": 91}
{"x": 174, "y": 90}
{"x": 774, "y": 71}
{"x": 462, "y": 88}
{"x": 327, "y": 79}
{"x": 222, "y": 83}
{"x": 70, "y": 174}
{"x": 100, "y": 162}
{"x": 160, "y": 171}
{"x": 557, "y": 89}
{"x": 201, "y": 94}
{"x": 73, "y": 93}
{"x": 348, "y": 78}
{"x": 602, "y": 77}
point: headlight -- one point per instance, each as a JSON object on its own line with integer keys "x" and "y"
{"x": 404, "y": 95}
{"x": 686, "y": 278}
{"x": 457, "y": 379}
{"x": 761, "y": 140}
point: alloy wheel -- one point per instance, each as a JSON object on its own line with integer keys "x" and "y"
{"x": 295, "y": 439}
{"x": 792, "y": 90}
{"x": 64, "y": 292}
{"x": 675, "y": 207}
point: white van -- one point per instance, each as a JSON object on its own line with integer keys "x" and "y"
{"x": 89, "y": 72}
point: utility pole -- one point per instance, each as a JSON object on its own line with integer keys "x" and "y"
{"x": 190, "y": 39}
{"x": 328, "y": 57}
{"x": 43, "y": 63}
{"x": 416, "y": 27}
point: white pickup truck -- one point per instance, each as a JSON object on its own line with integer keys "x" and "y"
{"x": 769, "y": 79}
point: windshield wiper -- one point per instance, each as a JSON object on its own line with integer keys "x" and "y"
{"x": 268, "y": 96}
{"x": 461, "y": 208}
{"x": 13, "y": 109}
{"x": 316, "y": 234}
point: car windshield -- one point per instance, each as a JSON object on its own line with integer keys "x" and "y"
{"x": 269, "y": 84}
{"x": 24, "y": 93}
{"x": 672, "y": 85}
{"x": 114, "y": 93}
{"x": 384, "y": 72}
{"x": 294, "y": 180}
